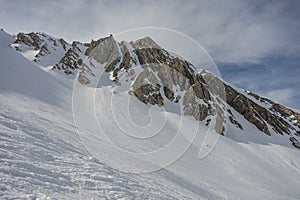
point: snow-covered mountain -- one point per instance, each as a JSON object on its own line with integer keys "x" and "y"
{"x": 226, "y": 143}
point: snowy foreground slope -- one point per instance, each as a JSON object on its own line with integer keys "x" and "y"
{"x": 43, "y": 155}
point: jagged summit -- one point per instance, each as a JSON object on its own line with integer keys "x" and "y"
{"x": 103, "y": 50}
{"x": 155, "y": 77}
{"x": 145, "y": 42}
{"x": 40, "y": 47}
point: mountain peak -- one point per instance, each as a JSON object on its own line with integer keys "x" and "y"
{"x": 145, "y": 42}
{"x": 153, "y": 76}
{"x": 103, "y": 50}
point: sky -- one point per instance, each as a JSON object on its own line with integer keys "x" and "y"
{"x": 255, "y": 43}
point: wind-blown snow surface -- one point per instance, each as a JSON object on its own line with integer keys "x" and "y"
{"x": 42, "y": 155}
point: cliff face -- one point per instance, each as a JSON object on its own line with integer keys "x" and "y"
{"x": 165, "y": 78}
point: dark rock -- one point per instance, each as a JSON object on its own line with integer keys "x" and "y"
{"x": 235, "y": 122}
{"x": 112, "y": 65}
{"x": 63, "y": 43}
{"x": 168, "y": 93}
{"x": 149, "y": 93}
{"x": 207, "y": 122}
{"x": 219, "y": 126}
{"x": 256, "y": 114}
{"x": 30, "y": 39}
{"x": 83, "y": 79}
{"x": 295, "y": 142}
{"x": 79, "y": 62}
{"x": 297, "y": 145}
{"x": 70, "y": 61}
{"x": 125, "y": 63}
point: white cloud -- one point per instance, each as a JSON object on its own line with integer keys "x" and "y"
{"x": 232, "y": 31}
{"x": 282, "y": 96}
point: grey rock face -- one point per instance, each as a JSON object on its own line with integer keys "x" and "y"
{"x": 45, "y": 45}
{"x": 144, "y": 43}
{"x": 295, "y": 142}
{"x": 167, "y": 74}
{"x": 191, "y": 103}
{"x": 30, "y": 39}
{"x": 168, "y": 93}
{"x": 202, "y": 89}
{"x": 104, "y": 50}
{"x": 256, "y": 114}
{"x": 147, "y": 88}
{"x": 149, "y": 93}
{"x": 70, "y": 61}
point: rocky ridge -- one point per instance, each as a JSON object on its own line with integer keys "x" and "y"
{"x": 157, "y": 78}
{"x": 48, "y": 49}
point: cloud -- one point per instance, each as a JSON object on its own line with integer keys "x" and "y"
{"x": 282, "y": 96}
{"x": 269, "y": 78}
{"x": 232, "y": 31}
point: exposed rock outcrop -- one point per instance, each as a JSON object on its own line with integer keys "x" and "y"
{"x": 145, "y": 43}
{"x": 71, "y": 60}
{"x": 149, "y": 93}
{"x": 291, "y": 115}
{"x": 30, "y": 39}
{"x": 103, "y": 50}
{"x": 256, "y": 114}
{"x": 173, "y": 73}
{"x": 47, "y": 49}
{"x": 295, "y": 142}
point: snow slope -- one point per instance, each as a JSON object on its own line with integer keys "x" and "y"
{"x": 41, "y": 153}
{"x": 43, "y": 156}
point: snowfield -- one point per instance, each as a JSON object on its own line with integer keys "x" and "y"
{"x": 44, "y": 152}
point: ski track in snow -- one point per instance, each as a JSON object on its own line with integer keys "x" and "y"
{"x": 37, "y": 162}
